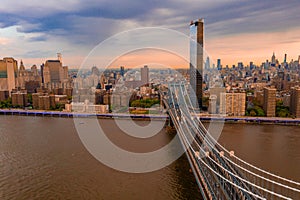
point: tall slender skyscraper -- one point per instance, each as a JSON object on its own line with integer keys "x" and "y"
{"x": 196, "y": 58}
{"x": 285, "y": 58}
{"x": 122, "y": 71}
{"x": 273, "y": 59}
{"x": 219, "y": 66}
{"x": 207, "y": 63}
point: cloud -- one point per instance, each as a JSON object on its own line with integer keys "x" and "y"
{"x": 37, "y": 8}
{"x": 4, "y": 41}
{"x": 222, "y": 17}
{"x": 85, "y": 23}
{"x": 258, "y": 17}
{"x": 26, "y": 27}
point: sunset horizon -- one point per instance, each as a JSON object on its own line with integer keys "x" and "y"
{"x": 242, "y": 32}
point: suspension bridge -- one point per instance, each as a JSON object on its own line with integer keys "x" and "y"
{"x": 219, "y": 173}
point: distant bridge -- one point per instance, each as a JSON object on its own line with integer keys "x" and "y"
{"x": 219, "y": 173}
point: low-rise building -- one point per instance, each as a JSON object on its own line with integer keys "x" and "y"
{"x": 4, "y": 94}
{"x": 86, "y": 107}
{"x": 19, "y": 99}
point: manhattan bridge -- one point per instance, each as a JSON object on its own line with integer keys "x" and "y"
{"x": 219, "y": 173}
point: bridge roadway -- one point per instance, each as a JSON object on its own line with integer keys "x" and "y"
{"x": 218, "y": 172}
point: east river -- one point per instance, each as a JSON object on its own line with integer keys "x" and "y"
{"x": 43, "y": 158}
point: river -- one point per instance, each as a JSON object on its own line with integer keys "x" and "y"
{"x": 43, "y": 158}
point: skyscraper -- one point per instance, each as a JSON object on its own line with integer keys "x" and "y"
{"x": 122, "y": 71}
{"x": 219, "y": 66}
{"x": 8, "y": 74}
{"x": 95, "y": 71}
{"x": 251, "y": 65}
{"x": 285, "y": 58}
{"x": 207, "y": 63}
{"x": 51, "y": 71}
{"x": 196, "y": 59}
{"x": 54, "y": 72}
{"x": 145, "y": 75}
{"x": 273, "y": 59}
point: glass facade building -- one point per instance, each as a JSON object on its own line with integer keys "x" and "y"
{"x": 196, "y": 60}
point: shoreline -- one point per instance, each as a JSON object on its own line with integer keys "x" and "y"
{"x": 253, "y": 120}
{"x": 62, "y": 114}
{"x": 206, "y": 119}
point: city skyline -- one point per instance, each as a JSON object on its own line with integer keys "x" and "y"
{"x": 242, "y": 32}
{"x": 134, "y": 60}
{"x": 112, "y": 99}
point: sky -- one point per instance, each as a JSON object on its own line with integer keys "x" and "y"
{"x": 235, "y": 30}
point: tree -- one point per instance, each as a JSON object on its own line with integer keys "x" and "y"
{"x": 259, "y": 111}
{"x": 255, "y": 111}
{"x": 29, "y": 97}
{"x": 144, "y": 103}
{"x": 6, "y": 103}
{"x": 252, "y": 113}
{"x": 205, "y": 101}
{"x": 281, "y": 110}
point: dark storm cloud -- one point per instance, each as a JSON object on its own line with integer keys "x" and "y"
{"x": 88, "y": 22}
{"x": 236, "y": 17}
{"x": 7, "y": 20}
{"x": 255, "y": 16}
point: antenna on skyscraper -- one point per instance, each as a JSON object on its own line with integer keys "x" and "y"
{"x": 59, "y": 57}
